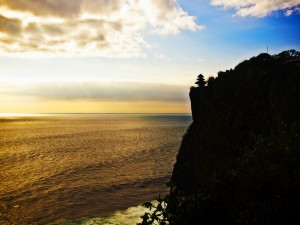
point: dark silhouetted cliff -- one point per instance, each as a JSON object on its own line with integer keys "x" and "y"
{"x": 239, "y": 160}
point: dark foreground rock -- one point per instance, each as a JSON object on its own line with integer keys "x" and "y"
{"x": 239, "y": 160}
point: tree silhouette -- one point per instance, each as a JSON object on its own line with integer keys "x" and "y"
{"x": 200, "y": 81}
{"x": 291, "y": 53}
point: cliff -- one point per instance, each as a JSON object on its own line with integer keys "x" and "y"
{"x": 239, "y": 161}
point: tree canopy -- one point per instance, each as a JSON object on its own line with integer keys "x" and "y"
{"x": 200, "y": 81}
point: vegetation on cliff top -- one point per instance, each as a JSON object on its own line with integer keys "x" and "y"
{"x": 239, "y": 160}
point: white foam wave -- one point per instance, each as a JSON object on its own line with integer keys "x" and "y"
{"x": 130, "y": 216}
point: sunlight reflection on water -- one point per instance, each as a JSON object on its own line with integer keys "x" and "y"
{"x": 68, "y": 167}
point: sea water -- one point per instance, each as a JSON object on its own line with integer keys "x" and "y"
{"x": 85, "y": 168}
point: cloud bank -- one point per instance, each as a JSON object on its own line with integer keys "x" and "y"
{"x": 112, "y": 28}
{"x": 259, "y": 8}
{"x": 97, "y": 91}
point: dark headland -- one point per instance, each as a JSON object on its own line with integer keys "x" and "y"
{"x": 239, "y": 162}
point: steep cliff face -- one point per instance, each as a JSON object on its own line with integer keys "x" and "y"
{"x": 239, "y": 159}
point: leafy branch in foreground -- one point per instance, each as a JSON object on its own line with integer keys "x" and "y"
{"x": 157, "y": 212}
{"x": 178, "y": 210}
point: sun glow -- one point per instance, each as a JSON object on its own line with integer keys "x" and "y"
{"x": 18, "y": 115}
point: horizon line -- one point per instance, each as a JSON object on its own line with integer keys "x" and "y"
{"x": 15, "y": 114}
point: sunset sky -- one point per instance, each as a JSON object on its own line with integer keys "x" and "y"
{"x": 129, "y": 56}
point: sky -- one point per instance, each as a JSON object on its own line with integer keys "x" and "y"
{"x": 129, "y": 56}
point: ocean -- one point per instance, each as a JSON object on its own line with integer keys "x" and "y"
{"x": 85, "y": 168}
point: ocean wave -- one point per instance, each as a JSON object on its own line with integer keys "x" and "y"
{"x": 130, "y": 216}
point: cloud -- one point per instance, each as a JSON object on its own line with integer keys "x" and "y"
{"x": 117, "y": 91}
{"x": 111, "y": 28}
{"x": 167, "y": 17}
{"x": 200, "y": 60}
{"x": 289, "y": 12}
{"x": 10, "y": 26}
{"x": 163, "y": 57}
{"x": 259, "y": 8}
{"x": 62, "y": 8}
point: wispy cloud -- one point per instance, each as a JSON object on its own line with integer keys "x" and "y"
{"x": 259, "y": 8}
{"x": 112, "y": 28}
{"x": 163, "y": 57}
{"x": 112, "y": 91}
{"x": 200, "y": 60}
